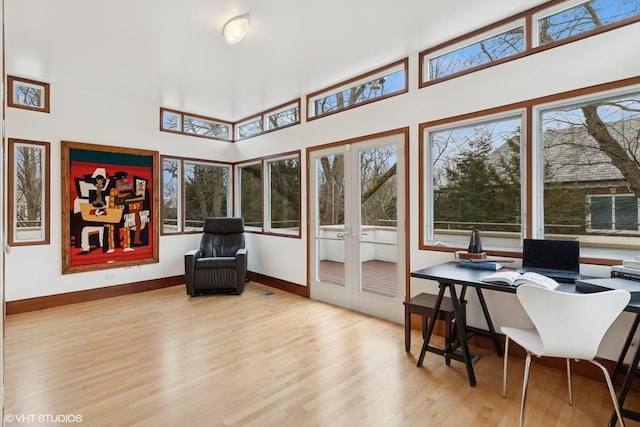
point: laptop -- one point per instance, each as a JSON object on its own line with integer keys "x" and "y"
{"x": 558, "y": 259}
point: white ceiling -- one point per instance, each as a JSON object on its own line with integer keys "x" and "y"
{"x": 171, "y": 53}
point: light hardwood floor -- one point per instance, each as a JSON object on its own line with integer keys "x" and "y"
{"x": 161, "y": 358}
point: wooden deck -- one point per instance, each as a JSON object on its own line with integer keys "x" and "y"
{"x": 378, "y": 277}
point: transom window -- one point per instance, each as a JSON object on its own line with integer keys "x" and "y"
{"x": 379, "y": 84}
{"x": 576, "y": 17}
{"x": 562, "y": 22}
{"x": 500, "y": 43}
{"x": 189, "y": 124}
{"x": 275, "y": 118}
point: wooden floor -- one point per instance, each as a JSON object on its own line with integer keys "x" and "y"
{"x": 160, "y": 358}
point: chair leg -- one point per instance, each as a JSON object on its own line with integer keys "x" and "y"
{"x": 525, "y": 384}
{"x": 611, "y": 390}
{"x": 504, "y": 370}
{"x": 569, "y": 382}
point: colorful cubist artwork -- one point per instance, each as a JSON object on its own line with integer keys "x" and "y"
{"x": 111, "y": 212}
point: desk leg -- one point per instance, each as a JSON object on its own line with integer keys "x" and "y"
{"x": 427, "y": 336}
{"x": 407, "y": 329}
{"x": 461, "y": 327}
{"x": 631, "y": 371}
{"x": 627, "y": 344}
{"x": 487, "y": 317}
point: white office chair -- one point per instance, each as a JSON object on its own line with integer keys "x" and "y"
{"x": 567, "y": 325}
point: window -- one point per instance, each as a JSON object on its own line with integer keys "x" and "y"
{"x": 192, "y": 191}
{"x": 206, "y": 193}
{"x": 608, "y": 214}
{"x": 171, "y": 196}
{"x": 204, "y": 127}
{"x": 495, "y": 46}
{"x": 249, "y": 129}
{"x": 590, "y": 164}
{"x": 28, "y": 94}
{"x": 379, "y": 84}
{"x": 268, "y": 194}
{"x": 190, "y": 124}
{"x": 276, "y": 118}
{"x": 284, "y": 117}
{"x": 284, "y": 195}
{"x": 562, "y": 22}
{"x": 250, "y": 194}
{"x": 28, "y": 192}
{"x": 475, "y": 180}
{"x": 171, "y": 121}
{"x": 572, "y": 18}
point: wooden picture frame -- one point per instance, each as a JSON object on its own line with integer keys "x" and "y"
{"x": 27, "y": 94}
{"x": 110, "y": 207}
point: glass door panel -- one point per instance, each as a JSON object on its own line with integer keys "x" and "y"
{"x": 378, "y": 237}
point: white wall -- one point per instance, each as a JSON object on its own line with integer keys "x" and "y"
{"x": 87, "y": 115}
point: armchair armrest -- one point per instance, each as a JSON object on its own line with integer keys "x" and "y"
{"x": 190, "y": 259}
{"x": 241, "y": 268}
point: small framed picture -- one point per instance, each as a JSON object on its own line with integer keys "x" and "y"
{"x": 28, "y": 94}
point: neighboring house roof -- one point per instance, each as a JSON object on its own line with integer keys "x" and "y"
{"x": 573, "y": 155}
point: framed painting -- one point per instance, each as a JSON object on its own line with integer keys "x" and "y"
{"x": 110, "y": 199}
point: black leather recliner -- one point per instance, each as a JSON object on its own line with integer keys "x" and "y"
{"x": 220, "y": 265}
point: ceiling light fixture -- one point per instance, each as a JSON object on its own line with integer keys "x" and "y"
{"x": 235, "y": 29}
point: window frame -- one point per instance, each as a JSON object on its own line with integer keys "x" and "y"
{"x": 13, "y": 82}
{"x": 612, "y": 198}
{"x": 427, "y": 227}
{"x": 401, "y": 65}
{"x": 267, "y": 199}
{"x": 264, "y": 117}
{"x": 471, "y": 40}
{"x": 181, "y": 209}
{"x": 266, "y": 185}
{"x": 530, "y": 35}
{"x": 13, "y": 145}
{"x": 238, "y": 190}
{"x": 562, "y": 6}
{"x": 532, "y": 161}
{"x": 179, "y": 197}
{"x": 572, "y": 99}
{"x": 182, "y": 131}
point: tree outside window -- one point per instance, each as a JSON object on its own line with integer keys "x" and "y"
{"x": 206, "y": 193}
{"x": 477, "y": 180}
{"x": 284, "y": 195}
{"x": 590, "y": 148}
{"x": 250, "y": 194}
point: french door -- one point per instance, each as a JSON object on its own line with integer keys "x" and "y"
{"x": 357, "y": 202}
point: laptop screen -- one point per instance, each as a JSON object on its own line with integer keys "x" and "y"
{"x": 562, "y": 255}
